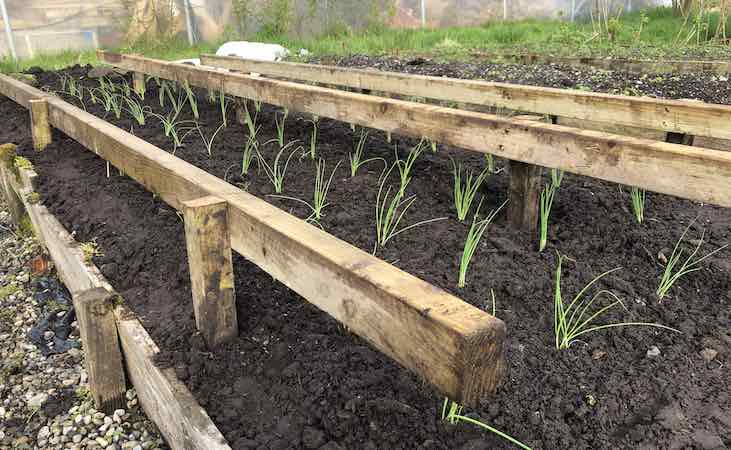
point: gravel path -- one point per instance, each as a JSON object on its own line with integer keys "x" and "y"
{"x": 44, "y": 401}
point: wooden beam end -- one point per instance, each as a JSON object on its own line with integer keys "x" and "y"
{"x": 483, "y": 361}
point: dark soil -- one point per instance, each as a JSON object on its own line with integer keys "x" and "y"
{"x": 702, "y": 86}
{"x": 296, "y": 379}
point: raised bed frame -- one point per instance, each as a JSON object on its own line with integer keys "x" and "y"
{"x": 618, "y": 64}
{"x": 644, "y": 113}
{"x": 109, "y": 330}
{"x": 455, "y": 346}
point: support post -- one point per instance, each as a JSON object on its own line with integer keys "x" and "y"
{"x": 7, "y": 170}
{"x": 98, "y": 329}
{"x": 138, "y": 83}
{"x": 211, "y": 270}
{"x": 40, "y": 127}
{"x": 524, "y": 191}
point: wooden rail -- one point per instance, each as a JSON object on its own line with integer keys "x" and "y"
{"x": 697, "y": 174}
{"x": 453, "y": 345}
{"x": 168, "y": 403}
{"x": 688, "y": 117}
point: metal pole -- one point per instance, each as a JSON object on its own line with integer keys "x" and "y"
{"x": 573, "y": 10}
{"x": 8, "y": 31}
{"x": 505, "y": 9}
{"x": 188, "y": 23}
{"x": 423, "y": 13}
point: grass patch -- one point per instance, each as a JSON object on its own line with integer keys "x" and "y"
{"x": 7, "y": 291}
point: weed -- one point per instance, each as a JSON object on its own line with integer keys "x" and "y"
{"x": 90, "y": 250}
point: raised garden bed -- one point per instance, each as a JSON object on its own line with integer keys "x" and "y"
{"x": 294, "y": 378}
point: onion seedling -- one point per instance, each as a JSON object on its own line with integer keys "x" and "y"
{"x": 251, "y": 123}
{"x": 249, "y": 148}
{"x": 322, "y": 186}
{"x": 638, "y": 203}
{"x": 163, "y": 86}
{"x": 208, "y": 141}
{"x": 390, "y": 213}
{"x": 571, "y": 321}
{"x": 313, "y": 137}
{"x": 224, "y": 107}
{"x": 191, "y": 99}
{"x": 276, "y": 171}
{"x": 546, "y": 203}
{"x": 452, "y": 414}
{"x": 356, "y": 157}
{"x": 138, "y": 111}
{"x": 465, "y": 193}
{"x": 477, "y": 230}
{"x": 672, "y": 273}
{"x": 126, "y": 90}
{"x": 115, "y": 102}
{"x": 280, "y": 126}
{"x": 404, "y": 167}
{"x": 490, "y": 160}
{"x": 177, "y": 103}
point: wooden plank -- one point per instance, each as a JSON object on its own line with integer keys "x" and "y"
{"x": 211, "y": 270}
{"x": 697, "y": 174}
{"x": 696, "y": 118}
{"x": 7, "y": 173}
{"x": 40, "y": 128}
{"x": 167, "y": 402}
{"x": 102, "y": 355}
{"x": 453, "y": 345}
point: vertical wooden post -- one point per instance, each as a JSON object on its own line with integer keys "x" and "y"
{"x": 680, "y": 138}
{"x": 7, "y": 170}
{"x": 138, "y": 83}
{"x": 524, "y": 192}
{"x": 98, "y": 329}
{"x": 40, "y": 127}
{"x": 211, "y": 271}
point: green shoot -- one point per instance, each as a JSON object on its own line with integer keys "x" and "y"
{"x": 477, "y": 230}
{"x": 571, "y": 321}
{"x": 313, "y": 137}
{"x": 404, "y": 167}
{"x": 251, "y": 122}
{"x": 433, "y": 145}
{"x": 638, "y": 203}
{"x": 322, "y": 186}
{"x": 546, "y": 203}
{"x": 276, "y": 171}
{"x": 249, "y": 148}
{"x": 452, "y": 414}
{"x": 673, "y": 273}
{"x": 388, "y": 137}
{"x": 212, "y": 96}
{"x": 356, "y": 157}
{"x": 126, "y": 90}
{"x": 390, "y": 213}
{"x": 116, "y": 105}
{"x": 163, "y": 86}
{"x": 280, "y": 126}
{"x": 137, "y": 110}
{"x": 490, "y": 160}
{"x": 208, "y": 142}
{"x": 465, "y": 193}
{"x": 191, "y": 99}
{"x": 176, "y": 102}
{"x": 223, "y": 103}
